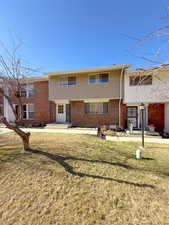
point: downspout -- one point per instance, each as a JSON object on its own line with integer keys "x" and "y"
{"x": 120, "y": 99}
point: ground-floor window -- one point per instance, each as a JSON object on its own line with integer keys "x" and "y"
{"x": 28, "y": 111}
{"x": 96, "y": 107}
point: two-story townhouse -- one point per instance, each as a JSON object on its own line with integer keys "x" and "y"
{"x": 151, "y": 87}
{"x": 89, "y": 97}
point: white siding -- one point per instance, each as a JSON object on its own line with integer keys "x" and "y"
{"x": 8, "y": 113}
{"x": 157, "y": 92}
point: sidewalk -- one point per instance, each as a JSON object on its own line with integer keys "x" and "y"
{"x": 90, "y": 132}
{"x": 63, "y": 131}
{"x": 138, "y": 139}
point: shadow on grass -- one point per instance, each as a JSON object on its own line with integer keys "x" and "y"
{"x": 61, "y": 160}
{"x": 147, "y": 158}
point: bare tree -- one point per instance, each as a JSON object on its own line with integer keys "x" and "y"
{"x": 12, "y": 73}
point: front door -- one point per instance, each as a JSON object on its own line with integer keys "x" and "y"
{"x": 61, "y": 113}
{"x": 132, "y": 116}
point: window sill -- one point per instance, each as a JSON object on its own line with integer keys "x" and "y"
{"x": 96, "y": 113}
{"x": 28, "y": 119}
{"x": 99, "y": 82}
{"x": 73, "y": 85}
{"x": 142, "y": 85}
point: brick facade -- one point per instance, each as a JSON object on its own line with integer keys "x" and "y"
{"x": 1, "y": 104}
{"x": 42, "y": 106}
{"x": 156, "y": 116}
{"x": 80, "y": 118}
{"x": 123, "y": 116}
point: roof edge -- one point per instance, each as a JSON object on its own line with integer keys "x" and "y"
{"x": 86, "y": 70}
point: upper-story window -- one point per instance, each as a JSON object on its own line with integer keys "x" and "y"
{"x": 66, "y": 81}
{"x": 99, "y": 78}
{"x": 140, "y": 80}
{"x": 27, "y": 90}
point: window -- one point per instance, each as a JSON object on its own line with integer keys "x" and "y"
{"x": 132, "y": 111}
{"x": 1, "y": 109}
{"x": 71, "y": 80}
{"x": 96, "y": 107}
{"x": 30, "y": 91}
{"x": 92, "y": 79}
{"x": 66, "y": 81}
{"x": 140, "y": 80}
{"x": 60, "y": 109}
{"x": 27, "y": 90}
{"x": 28, "y": 111}
{"x": 23, "y": 90}
{"x": 99, "y": 78}
{"x": 104, "y": 77}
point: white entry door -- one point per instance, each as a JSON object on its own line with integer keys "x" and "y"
{"x": 61, "y": 113}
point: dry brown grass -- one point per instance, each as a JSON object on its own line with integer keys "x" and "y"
{"x": 82, "y": 180}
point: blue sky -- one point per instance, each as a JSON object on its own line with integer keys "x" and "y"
{"x": 73, "y": 34}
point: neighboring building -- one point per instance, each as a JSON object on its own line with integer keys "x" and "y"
{"x": 37, "y": 109}
{"x": 1, "y": 105}
{"x": 151, "y": 87}
{"x": 1, "y": 100}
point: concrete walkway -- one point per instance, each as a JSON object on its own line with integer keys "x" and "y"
{"x": 91, "y": 131}
{"x": 138, "y": 139}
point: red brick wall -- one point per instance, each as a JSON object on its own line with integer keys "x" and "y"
{"x": 41, "y": 103}
{"x": 1, "y": 99}
{"x": 156, "y": 116}
{"x": 123, "y": 122}
{"x": 2, "y": 103}
{"x": 80, "y": 118}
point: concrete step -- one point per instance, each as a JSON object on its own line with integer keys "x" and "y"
{"x": 58, "y": 125}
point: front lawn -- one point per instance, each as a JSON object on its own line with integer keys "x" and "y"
{"x": 82, "y": 180}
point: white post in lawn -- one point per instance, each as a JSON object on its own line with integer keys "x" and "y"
{"x": 138, "y": 152}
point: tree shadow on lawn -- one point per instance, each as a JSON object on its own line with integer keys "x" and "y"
{"x": 61, "y": 160}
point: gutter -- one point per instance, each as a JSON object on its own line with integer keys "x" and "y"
{"x": 120, "y": 100}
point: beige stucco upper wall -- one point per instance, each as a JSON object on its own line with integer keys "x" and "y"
{"x": 84, "y": 90}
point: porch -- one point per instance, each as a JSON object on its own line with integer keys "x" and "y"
{"x": 87, "y": 112}
{"x": 153, "y": 116}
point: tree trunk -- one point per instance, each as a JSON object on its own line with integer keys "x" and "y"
{"x": 23, "y": 135}
{"x": 25, "y": 140}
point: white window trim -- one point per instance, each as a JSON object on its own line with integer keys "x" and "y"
{"x": 27, "y": 90}
{"x": 27, "y": 112}
{"x": 66, "y": 77}
{"x": 97, "y": 74}
{"x": 99, "y": 113}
